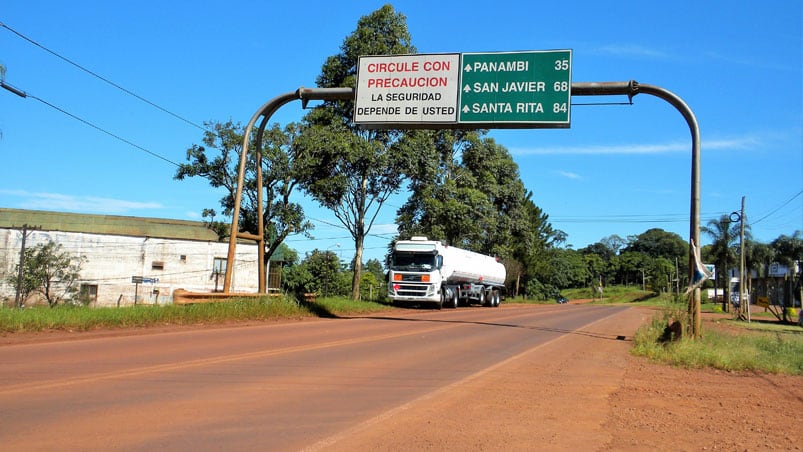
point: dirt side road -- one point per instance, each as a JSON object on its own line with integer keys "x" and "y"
{"x": 581, "y": 394}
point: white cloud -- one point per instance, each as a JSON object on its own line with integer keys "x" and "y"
{"x": 754, "y": 62}
{"x": 569, "y": 175}
{"x": 70, "y": 203}
{"x": 631, "y": 50}
{"x": 640, "y": 148}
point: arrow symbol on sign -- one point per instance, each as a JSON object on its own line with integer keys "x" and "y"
{"x": 467, "y": 68}
{"x": 467, "y": 89}
{"x": 465, "y": 109}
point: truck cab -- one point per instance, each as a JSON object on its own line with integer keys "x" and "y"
{"x": 415, "y": 272}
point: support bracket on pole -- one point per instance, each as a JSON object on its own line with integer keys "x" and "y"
{"x": 265, "y": 112}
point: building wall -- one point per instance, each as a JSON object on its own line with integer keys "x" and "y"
{"x": 112, "y": 260}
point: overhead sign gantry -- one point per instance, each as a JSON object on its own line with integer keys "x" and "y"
{"x": 469, "y": 90}
{"x": 431, "y": 91}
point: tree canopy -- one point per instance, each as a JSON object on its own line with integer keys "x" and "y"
{"x": 349, "y": 170}
{"x": 217, "y": 161}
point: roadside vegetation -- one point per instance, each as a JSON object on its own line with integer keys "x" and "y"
{"x": 763, "y": 345}
{"x": 79, "y": 318}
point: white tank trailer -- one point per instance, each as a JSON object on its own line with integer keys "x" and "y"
{"x": 425, "y": 271}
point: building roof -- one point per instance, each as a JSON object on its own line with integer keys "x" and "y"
{"x": 107, "y": 224}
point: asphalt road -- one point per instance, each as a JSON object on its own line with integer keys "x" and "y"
{"x": 272, "y": 386}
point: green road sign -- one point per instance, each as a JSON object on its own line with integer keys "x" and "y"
{"x": 516, "y": 89}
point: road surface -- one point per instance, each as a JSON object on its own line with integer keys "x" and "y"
{"x": 328, "y": 384}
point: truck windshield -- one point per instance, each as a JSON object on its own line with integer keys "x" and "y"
{"x": 412, "y": 262}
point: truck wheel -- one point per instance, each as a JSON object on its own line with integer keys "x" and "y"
{"x": 495, "y": 298}
{"x": 482, "y": 298}
{"x": 453, "y": 300}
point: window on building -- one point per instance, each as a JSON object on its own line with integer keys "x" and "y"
{"x": 218, "y": 271}
{"x": 219, "y": 266}
{"x": 157, "y": 265}
{"x": 88, "y": 294}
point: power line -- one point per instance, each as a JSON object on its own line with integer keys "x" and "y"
{"x": 130, "y": 93}
{"x": 779, "y": 207}
{"x": 631, "y": 218}
{"x": 23, "y": 94}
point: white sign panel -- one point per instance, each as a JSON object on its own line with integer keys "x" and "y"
{"x": 403, "y": 89}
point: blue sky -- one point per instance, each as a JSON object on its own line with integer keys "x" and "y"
{"x": 619, "y": 169}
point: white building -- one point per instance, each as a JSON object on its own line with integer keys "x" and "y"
{"x": 128, "y": 260}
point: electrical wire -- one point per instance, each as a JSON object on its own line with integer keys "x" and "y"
{"x": 25, "y": 95}
{"x": 778, "y": 208}
{"x": 103, "y": 130}
{"x": 63, "y": 58}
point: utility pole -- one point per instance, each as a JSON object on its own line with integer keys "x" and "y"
{"x": 25, "y": 232}
{"x": 745, "y": 304}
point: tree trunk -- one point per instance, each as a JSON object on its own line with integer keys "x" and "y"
{"x": 359, "y": 242}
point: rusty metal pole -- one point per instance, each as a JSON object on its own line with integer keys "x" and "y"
{"x": 630, "y": 89}
{"x": 265, "y": 112}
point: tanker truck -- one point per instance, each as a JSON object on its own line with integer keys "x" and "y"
{"x": 426, "y": 271}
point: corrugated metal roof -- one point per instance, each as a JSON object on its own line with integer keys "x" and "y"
{"x": 107, "y": 224}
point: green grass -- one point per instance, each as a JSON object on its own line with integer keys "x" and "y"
{"x": 611, "y": 295}
{"x": 620, "y": 294}
{"x": 731, "y": 346}
{"x": 69, "y": 318}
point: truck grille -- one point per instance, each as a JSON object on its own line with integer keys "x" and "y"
{"x": 412, "y": 290}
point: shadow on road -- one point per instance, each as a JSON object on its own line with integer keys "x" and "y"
{"x": 613, "y": 337}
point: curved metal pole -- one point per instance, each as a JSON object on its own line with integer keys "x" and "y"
{"x": 694, "y": 215}
{"x": 266, "y": 111}
{"x": 630, "y": 89}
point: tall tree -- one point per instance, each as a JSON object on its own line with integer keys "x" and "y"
{"x": 503, "y": 214}
{"x": 723, "y": 233}
{"x": 439, "y": 187}
{"x": 659, "y": 244}
{"x": 760, "y": 257}
{"x": 788, "y": 252}
{"x": 656, "y": 242}
{"x": 465, "y": 191}
{"x": 352, "y": 171}
{"x": 614, "y": 243}
{"x": 217, "y": 160}
{"x": 532, "y": 245}
{"x": 789, "y": 249}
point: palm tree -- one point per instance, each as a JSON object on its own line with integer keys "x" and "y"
{"x": 788, "y": 252}
{"x": 759, "y": 258}
{"x": 724, "y": 234}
